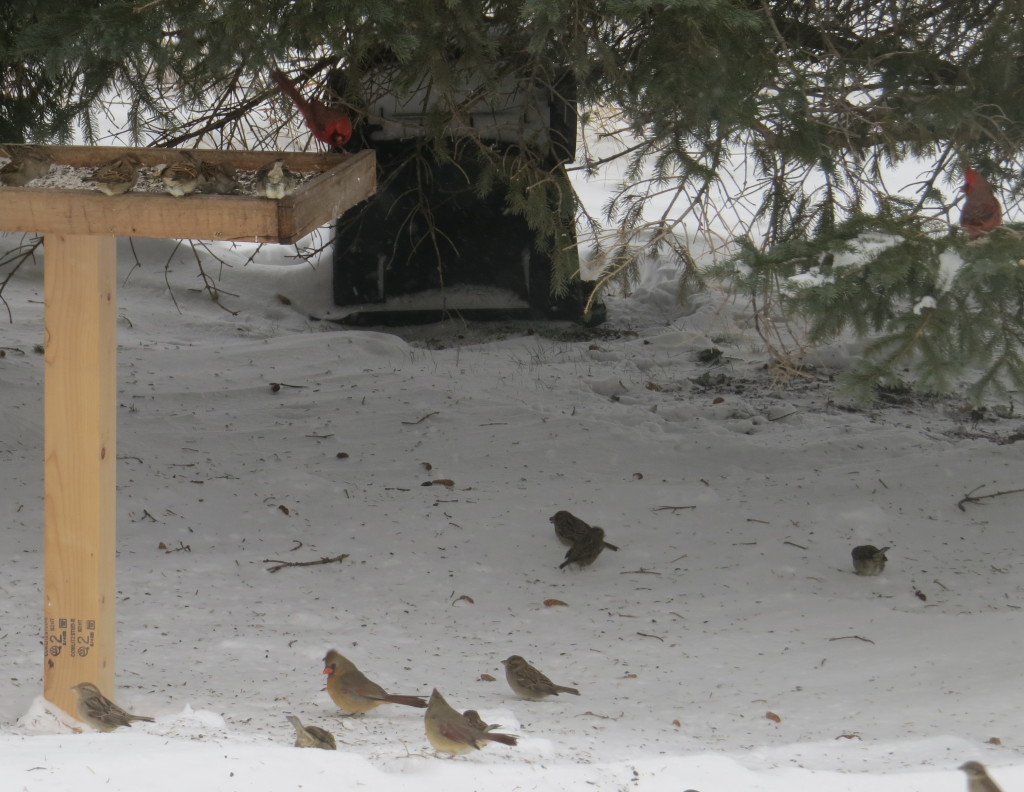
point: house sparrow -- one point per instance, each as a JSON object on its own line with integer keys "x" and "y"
{"x": 181, "y": 178}
{"x": 312, "y": 736}
{"x": 218, "y": 178}
{"x": 101, "y": 713}
{"x": 585, "y": 549}
{"x": 868, "y": 560}
{"x": 569, "y": 527}
{"x": 452, "y": 733}
{"x": 529, "y": 683}
{"x": 117, "y": 176}
{"x": 977, "y": 778}
{"x": 27, "y": 164}
{"x": 474, "y": 719}
{"x": 330, "y": 125}
{"x": 353, "y": 692}
{"x": 274, "y": 180}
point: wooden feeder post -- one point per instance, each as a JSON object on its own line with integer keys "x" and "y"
{"x": 80, "y": 449}
{"x": 80, "y": 229}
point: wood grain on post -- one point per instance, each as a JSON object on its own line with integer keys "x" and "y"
{"x": 80, "y": 446}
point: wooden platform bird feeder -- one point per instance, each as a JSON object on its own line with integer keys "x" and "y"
{"x": 80, "y": 227}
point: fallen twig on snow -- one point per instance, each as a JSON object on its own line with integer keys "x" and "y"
{"x": 419, "y": 420}
{"x": 282, "y": 564}
{"x": 970, "y": 497}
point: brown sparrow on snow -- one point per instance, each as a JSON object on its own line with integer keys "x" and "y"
{"x": 474, "y": 719}
{"x": 312, "y": 736}
{"x": 585, "y": 549}
{"x": 349, "y": 688}
{"x": 977, "y": 778}
{"x": 529, "y": 683}
{"x": 101, "y": 713}
{"x": 569, "y": 528}
{"x": 868, "y": 560}
{"x": 453, "y": 733}
{"x": 27, "y": 163}
{"x": 117, "y": 176}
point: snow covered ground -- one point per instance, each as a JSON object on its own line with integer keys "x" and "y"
{"x": 727, "y": 645}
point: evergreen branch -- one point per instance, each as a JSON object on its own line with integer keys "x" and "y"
{"x": 16, "y": 257}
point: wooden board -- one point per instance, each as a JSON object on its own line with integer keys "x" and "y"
{"x": 80, "y": 449}
{"x": 343, "y": 181}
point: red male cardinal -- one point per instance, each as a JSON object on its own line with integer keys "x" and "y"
{"x": 981, "y": 211}
{"x": 328, "y": 124}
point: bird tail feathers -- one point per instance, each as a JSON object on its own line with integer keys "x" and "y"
{"x": 409, "y": 701}
{"x": 504, "y": 739}
{"x": 288, "y": 88}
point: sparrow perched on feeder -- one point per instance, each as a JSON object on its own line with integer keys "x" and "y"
{"x": 585, "y": 549}
{"x": 331, "y": 125}
{"x": 181, "y": 178}
{"x": 27, "y": 164}
{"x": 529, "y": 683}
{"x": 349, "y": 688}
{"x": 312, "y": 736}
{"x": 274, "y": 180}
{"x": 569, "y": 527}
{"x": 977, "y": 778}
{"x": 453, "y": 733}
{"x": 981, "y": 210}
{"x": 101, "y": 713}
{"x": 218, "y": 178}
{"x": 868, "y": 560}
{"x": 117, "y": 176}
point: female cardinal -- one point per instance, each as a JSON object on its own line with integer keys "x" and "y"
{"x": 328, "y": 124}
{"x": 453, "y": 733}
{"x": 981, "y": 211}
{"x": 349, "y": 688}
